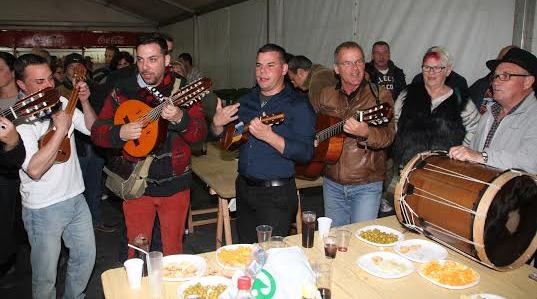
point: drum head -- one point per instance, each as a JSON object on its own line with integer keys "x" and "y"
{"x": 511, "y": 223}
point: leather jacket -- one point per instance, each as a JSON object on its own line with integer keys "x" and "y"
{"x": 361, "y": 162}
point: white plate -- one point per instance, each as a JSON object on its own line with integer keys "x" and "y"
{"x": 182, "y": 259}
{"x": 420, "y": 251}
{"x": 232, "y": 247}
{"x": 447, "y": 286}
{"x": 387, "y": 264}
{"x": 205, "y": 281}
{"x": 384, "y": 229}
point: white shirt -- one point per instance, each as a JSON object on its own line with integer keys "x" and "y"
{"x": 63, "y": 180}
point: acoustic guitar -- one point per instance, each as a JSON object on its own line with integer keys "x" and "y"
{"x": 34, "y": 106}
{"x": 64, "y": 151}
{"x": 237, "y": 133}
{"x": 154, "y": 131}
{"x": 329, "y": 139}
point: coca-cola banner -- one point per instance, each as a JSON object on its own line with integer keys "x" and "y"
{"x": 67, "y": 39}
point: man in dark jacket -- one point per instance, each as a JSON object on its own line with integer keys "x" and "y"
{"x": 12, "y": 155}
{"x": 383, "y": 71}
{"x": 266, "y": 189}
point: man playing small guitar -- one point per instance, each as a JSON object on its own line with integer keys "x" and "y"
{"x": 352, "y": 187}
{"x": 168, "y": 191}
{"x": 266, "y": 189}
{"x": 54, "y": 207}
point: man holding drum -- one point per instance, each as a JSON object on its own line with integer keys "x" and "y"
{"x": 506, "y": 136}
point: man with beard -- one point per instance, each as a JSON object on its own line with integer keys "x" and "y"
{"x": 169, "y": 179}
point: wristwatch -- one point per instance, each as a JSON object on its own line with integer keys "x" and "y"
{"x": 485, "y": 157}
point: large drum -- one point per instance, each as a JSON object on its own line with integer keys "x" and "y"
{"x": 485, "y": 213}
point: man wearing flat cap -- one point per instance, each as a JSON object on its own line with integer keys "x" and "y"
{"x": 90, "y": 157}
{"x": 506, "y": 136}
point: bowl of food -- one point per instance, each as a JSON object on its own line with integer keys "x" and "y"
{"x": 207, "y": 287}
{"x": 182, "y": 267}
{"x": 449, "y": 274}
{"x": 235, "y": 257}
{"x": 379, "y": 235}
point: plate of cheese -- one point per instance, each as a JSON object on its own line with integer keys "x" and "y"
{"x": 385, "y": 264}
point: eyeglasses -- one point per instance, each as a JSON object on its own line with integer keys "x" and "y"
{"x": 350, "y": 64}
{"x": 433, "y": 69}
{"x": 506, "y": 76}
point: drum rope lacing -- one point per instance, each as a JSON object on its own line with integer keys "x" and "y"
{"x": 406, "y": 208}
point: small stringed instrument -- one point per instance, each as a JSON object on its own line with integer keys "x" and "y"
{"x": 329, "y": 139}
{"x": 64, "y": 151}
{"x": 237, "y": 133}
{"x": 153, "y": 131}
{"x": 34, "y": 106}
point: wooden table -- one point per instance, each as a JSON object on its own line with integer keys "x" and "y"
{"x": 350, "y": 281}
{"x": 218, "y": 169}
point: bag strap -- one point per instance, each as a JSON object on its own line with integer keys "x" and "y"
{"x": 144, "y": 169}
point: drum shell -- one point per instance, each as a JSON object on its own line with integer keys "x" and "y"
{"x": 425, "y": 189}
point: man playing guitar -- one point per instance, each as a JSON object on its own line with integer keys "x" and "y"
{"x": 54, "y": 207}
{"x": 168, "y": 190}
{"x": 352, "y": 187}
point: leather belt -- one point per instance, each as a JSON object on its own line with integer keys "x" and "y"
{"x": 266, "y": 183}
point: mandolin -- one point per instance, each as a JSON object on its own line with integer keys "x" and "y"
{"x": 34, "y": 106}
{"x": 329, "y": 138}
{"x": 237, "y": 133}
{"x": 64, "y": 151}
{"x": 153, "y": 132}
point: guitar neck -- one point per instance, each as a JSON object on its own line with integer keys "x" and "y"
{"x": 73, "y": 100}
{"x": 336, "y": 128}
{"x": 9, "y": 113}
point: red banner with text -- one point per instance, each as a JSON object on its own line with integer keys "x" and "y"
{"x": 66, "y": 39}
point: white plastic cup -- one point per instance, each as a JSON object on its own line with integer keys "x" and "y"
{"x": 134, "y": 272}
{"x": 324, "y": 226}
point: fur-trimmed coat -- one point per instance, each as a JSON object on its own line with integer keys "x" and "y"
{"x": 421, "y": 128}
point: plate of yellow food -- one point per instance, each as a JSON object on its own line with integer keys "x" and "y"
{"x": 420, "y": 251}
{"x": 236, "y": 256}
{"x": 379, "y": 235}
{"x": 207, "y": 287}
{"x": 385, "y": 264}
{"x": 182, "y": 267}
{"x": 449, "y": 274}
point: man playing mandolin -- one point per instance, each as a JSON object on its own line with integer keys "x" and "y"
{"x": 54, "y": 207}
{"x": 353, "y": 185}
{"x": 168, "y": 189}
{"x": 266, "y": 189}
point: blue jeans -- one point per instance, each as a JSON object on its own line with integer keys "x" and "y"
{"x": 351, "y": 203}
{"x": 92, "y": 165}
{"x": 69, "y": 220}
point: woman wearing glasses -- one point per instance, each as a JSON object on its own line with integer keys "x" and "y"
{"x": 430, "y": 115}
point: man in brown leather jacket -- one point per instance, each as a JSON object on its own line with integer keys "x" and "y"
{"x": 353, "y": 186}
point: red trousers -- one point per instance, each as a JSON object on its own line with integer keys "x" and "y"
{"x": 172, "y": 211}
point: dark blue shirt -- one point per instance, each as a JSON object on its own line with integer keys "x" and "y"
{"x": 258, "y": 159}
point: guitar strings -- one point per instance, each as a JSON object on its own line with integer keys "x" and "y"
{"x": 155, "y": 113}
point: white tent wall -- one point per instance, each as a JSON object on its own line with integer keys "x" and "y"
{"x": 183, "y": 37}
{"x": 473, "y": 31}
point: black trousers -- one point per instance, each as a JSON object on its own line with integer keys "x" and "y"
{"x": 12, "y": 230}
{"x": 257, "y": 205}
